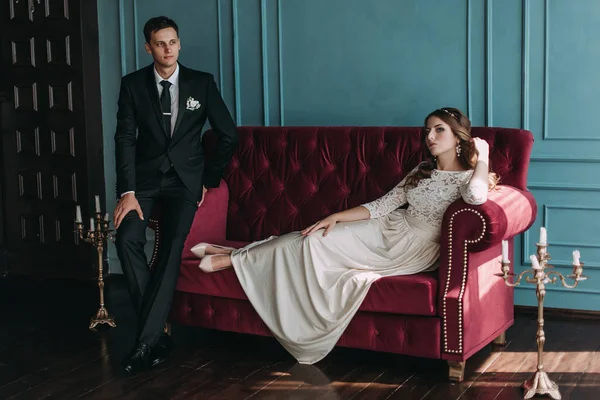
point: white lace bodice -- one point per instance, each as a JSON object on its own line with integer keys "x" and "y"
{"x": 431, "y": 197}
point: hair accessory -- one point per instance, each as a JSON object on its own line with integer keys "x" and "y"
{"x": 450, "y": 113}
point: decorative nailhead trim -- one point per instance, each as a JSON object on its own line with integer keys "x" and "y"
{"x": 463, "y": 283}
{"x": 156, "y": 242}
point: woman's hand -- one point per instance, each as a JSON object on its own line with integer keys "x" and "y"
{"x": 483, "y": 149}
{"x": 327, "y": 223}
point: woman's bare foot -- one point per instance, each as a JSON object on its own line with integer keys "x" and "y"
{"x": 215, "y": 262}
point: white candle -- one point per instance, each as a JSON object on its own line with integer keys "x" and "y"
{"x": 534, "y": 262}
{"x": 543, "y": 235}
{"x": 97, "y": 203}
{"x": 92, "y": 227}
{"x": 106, "y": 217}
{"x": 576, "y": 257}
{"x": 505, "y": 251}
{"x": 78, "y": 215}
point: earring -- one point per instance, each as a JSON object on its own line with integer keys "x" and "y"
{"x": 458, "y": 150}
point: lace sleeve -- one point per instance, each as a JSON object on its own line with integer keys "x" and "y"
{"x": 474, "y": 192}
{"x": 388, "y": 202}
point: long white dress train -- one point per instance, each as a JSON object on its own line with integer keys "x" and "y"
{"x": 307, "y": 288}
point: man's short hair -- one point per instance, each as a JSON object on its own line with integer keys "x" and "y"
{"x": 158, "y": 23}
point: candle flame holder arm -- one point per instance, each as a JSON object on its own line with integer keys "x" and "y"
{"x": 506, "y": 275}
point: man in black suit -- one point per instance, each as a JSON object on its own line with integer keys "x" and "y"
{"x": 159, "y": 157}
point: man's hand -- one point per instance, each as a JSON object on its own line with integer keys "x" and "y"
{"x": 204, "y": 190}
{"x": 126, "y": 203}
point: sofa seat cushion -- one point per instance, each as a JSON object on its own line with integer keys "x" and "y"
{"x": 406, "y": 294}
{"x": 413, "y": 335}
{"x": 409, "y": 294}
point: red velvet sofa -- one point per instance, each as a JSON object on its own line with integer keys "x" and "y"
{"x": 282, "y": 179}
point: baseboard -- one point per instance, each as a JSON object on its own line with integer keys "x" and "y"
{"x": 114, "y": 266}
{"x": 558, "y": 312}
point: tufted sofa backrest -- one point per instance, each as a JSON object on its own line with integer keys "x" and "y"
{"x": 283, "y": 179}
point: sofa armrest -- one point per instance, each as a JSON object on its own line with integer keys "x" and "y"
{"x": 474, "y": 304}
{"x": 209, "y": 225}
{"x": 507, "y": 213}
{"x": 210, "y": 221}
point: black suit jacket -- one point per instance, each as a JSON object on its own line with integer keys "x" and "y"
{"x": 142, "y": 142}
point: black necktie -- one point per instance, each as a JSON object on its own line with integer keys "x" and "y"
{"x": 165, "y": 105}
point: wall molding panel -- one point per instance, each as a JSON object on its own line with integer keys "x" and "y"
{"x": 561, "y": 186}
{"x": 546, "y": 70}
{"x": 265, "y": 61}
{"x": 489, "y": 65}
{"x": 564, "y": 158}
{"x": 236, "y": 60}
{"x": 469, "y": 54}
{"x": 280, "y": 63}
{"x": 526, "y": 46}
{"x": 547, "y": 132}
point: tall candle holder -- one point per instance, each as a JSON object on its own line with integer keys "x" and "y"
{"x": 97, "y": 234}
{"x": 540, "y": 383}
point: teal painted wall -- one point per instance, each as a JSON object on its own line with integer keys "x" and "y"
{"x": 510, "y": 63}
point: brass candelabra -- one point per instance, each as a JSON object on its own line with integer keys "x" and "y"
{"x": 540, "y": 383}
{"x": 97, "y": 234}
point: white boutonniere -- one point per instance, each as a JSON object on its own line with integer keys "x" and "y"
{"x": 192, "y": 104}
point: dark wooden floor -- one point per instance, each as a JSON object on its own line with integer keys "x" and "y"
{"x": 47, "y": 352}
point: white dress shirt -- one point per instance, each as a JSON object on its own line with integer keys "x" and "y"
{"x": 173, "y": 89}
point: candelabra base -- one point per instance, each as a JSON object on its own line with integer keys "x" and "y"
{"x": 541, "y": 384}
{"x": 102, "y": 317}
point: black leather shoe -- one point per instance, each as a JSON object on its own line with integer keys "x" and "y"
{"x": 138, "y": 359}
{"x": 161, "y": 350}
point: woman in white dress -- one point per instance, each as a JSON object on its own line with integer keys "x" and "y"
{"x": 306, "y": 286}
